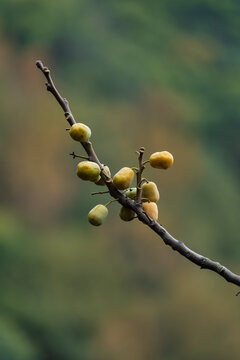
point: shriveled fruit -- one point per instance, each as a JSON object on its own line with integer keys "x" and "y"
{"x": 131, "y": 193}
{"x": 88, "y": 170}
{"x": 151, "y": 209}
{"x": 97, "y": 215}
{"x": 123, "y": 178}
{"x": 100, "y": 180}
{"x": 150, "y": 192}
{"x": 80, "y": 132}
{"x": 161, "y": 160}
{"x": 126, "y": 214}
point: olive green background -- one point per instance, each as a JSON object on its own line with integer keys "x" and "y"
{"x": 159, "y": 74}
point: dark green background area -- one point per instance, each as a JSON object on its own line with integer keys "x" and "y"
{"x": 159, "y": 74}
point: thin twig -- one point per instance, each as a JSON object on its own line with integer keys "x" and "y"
{"x": 51, "y": 87}
{"x": 139, "y": 175}
{"x": 168, "y": 239}
{"x": 78, "y": 156}
{"x": 100, "y": 192}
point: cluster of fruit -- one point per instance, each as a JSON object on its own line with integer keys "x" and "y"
{"x": 122, "y": 180}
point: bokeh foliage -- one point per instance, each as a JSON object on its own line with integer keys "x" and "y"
{"x": 160, "y": 74}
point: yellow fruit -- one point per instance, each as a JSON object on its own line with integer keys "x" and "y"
{"x": 131, "y": 193}
{"x": 126, "y": 214}
{"x": 100, "y": 180}
{"x": 80, "y": 132}
{"x": 161, "y": 160}
{"x": 151, "y": 209}
{"x": 97, "y": 215}
{"x": 88, "y": 170}
{"x": 123, "y": 178}
{"x": 150, "y": 192}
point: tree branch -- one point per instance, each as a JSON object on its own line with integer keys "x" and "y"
{"x": 51, "y": 87}
{"x": 168, "y": 239}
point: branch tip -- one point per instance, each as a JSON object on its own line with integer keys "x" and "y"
{"x": 39, "y": 64}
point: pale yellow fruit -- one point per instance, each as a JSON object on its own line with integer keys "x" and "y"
{"x": 100, "y": 180}
{"x": 161, "y": 160}
{"x": 150, "y": 192}
{"x": 80, "y": 132}
{"x": 97, "y": 215}
{"x": 126, "y": 214}
{"x": 151, "y": 210}
{"x": 131, "y": 193}
{"x": 123, "y": 178}
{"x": 88, "y": 170}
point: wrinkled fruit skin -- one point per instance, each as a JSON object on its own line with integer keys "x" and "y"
{"x": 161, "y": 160}
{"x": 126, "y": 214}
{"x": 97, "y": 215}
{"x": 151, "y": 210}
{"x": 123, "y": 178}
{"x": 100, "y": 180}
{"x": 150, "y": 192}
{"x": 88, "y": 170}
{"x": 131, "y": 193}
{"x": 80, "y": 132}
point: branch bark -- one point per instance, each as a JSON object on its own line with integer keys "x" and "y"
{"x": 168, "y": 239}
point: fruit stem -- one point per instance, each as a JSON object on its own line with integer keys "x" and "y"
{"x": 145, "y": 162}
{"x": 144, "y": 180}
{"x": 111, "y": 201}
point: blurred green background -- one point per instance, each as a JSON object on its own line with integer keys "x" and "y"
{"x": 160, "y": 74}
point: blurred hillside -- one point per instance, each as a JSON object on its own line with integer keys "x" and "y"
{"x": 164, "y": 75}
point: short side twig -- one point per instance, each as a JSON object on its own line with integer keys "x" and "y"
{"x": 139, "y": 175}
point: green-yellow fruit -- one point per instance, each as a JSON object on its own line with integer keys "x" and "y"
{"x": 126, "y": 214}
{"x": 150, "y": 192}
{"x": 97, "y": 215}
{"x": 131, "y": 193}
{"x": 123, "y": 178}
{"x": 100, "y": 180}
{"x": 88, "y": 170}
{"x": 80, "y": 132}
{"x": 151, "y": 209}
{"x": 161, "y": 160}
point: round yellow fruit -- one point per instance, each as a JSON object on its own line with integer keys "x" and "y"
{"x": 150, "y": 192}
{"x": 161, "y": 160}
{"x": 131, "y": 193}
{"x": 126, "y": 214}
{"x": 88, "y": 170}
{"x": 97, "y": 215}
{"x": 151, "y": 210}
{"x": 123, "y": 178}
{"x": 100, "y": 180}
{"x": 80, "y": 132}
